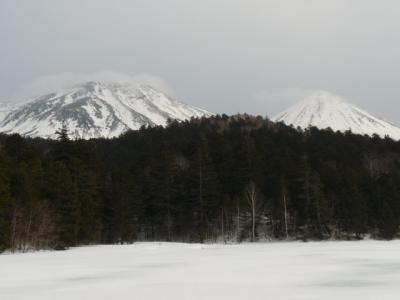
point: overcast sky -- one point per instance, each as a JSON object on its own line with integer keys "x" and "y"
{"x": 223, "y": 55}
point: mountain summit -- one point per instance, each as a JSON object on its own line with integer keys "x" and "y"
{"x": 96, "y": 109}
{"x": 326, "y": 110}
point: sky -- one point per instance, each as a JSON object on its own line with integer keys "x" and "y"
{"x": 226, "y": 56}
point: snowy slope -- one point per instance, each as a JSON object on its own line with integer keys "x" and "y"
{"x": 323, "y": 109}
{"x": 5, "y": 108}
{"x": 95, "y": 109}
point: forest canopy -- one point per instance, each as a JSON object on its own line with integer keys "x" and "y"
{"x": 238, "y": 178}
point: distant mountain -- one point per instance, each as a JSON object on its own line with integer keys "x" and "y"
{"x": 5, "y": 108}
{"x": 95, "y": 109}
{"x": 323, "y": 109}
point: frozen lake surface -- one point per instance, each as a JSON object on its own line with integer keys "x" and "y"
{"x": 320, "y": 270}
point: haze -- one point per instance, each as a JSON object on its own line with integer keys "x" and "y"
{"x": 226, "y": 56}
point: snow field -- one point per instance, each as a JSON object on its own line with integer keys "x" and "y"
{"x": 295, "y": 270}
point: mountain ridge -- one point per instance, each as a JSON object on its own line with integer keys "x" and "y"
{"x": 95, "y": 109}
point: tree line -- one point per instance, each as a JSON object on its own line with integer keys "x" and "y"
{"x": 219, "y": 179}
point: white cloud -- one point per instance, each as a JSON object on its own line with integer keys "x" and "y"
{"x": 51, "y": 83}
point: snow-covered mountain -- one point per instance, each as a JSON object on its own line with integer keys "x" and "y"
{"x": 5, "y": 108}
{"x": 95, "y": 109}
{"x": 323, "y": 109}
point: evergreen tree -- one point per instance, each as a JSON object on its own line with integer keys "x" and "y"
{"x": 5, "y": 201}
{"x": 316, "y": 211}
{"x": 62, "y": 191}
{"x": 63, "y": 133}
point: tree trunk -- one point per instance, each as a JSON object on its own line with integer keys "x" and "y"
{"x": 201, "y": 199}
{"x": 253, "y": 200}
{"x": 285, "y": 215}
{"x": 253, "y": 230}
{"x": 238, "y": 222}
{"x": 222, "y": 225}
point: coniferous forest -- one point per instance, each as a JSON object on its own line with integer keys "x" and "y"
{"x": 225, "y": 179}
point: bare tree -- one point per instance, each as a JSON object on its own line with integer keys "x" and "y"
{"x": 254, "y": 200}
{"x": 237, "y": 220}
{"x": 33, "y": 228}
{"x": 285, "y": 213}
{"x": 223, "y": 224}
{"x": 15, "y": 225}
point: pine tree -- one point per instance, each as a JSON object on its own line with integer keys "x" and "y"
{"x": 388, "y": 226}
{"x": 62, "y": 192}
{"x": 63, "y": 133}
{"x": 206, "y": 190}
{"x": 5, "y": 201}
{"x": 317, "y": 212}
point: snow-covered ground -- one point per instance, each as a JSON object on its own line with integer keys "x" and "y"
{"x": 320, "y": 270}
